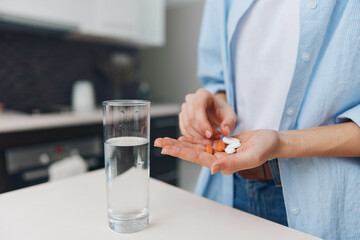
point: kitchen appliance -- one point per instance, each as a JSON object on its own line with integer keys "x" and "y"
{"x": 83, "y": 96}
{"x": 29, "y": 165}
{"x": 26, "y": 155}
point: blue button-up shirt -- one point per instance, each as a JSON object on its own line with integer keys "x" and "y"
{"x": 322, "y": 194}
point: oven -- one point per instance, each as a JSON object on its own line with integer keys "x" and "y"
{"x": 25, "y": 156}
{"x": 29, "y": 165}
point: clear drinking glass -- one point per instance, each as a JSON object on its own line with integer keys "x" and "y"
{"x": 126, "y": 137}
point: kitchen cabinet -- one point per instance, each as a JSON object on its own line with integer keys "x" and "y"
{"x": 141, "y": 21}
{"x": 134, "y": 22}
{"x": 164, "y": 167}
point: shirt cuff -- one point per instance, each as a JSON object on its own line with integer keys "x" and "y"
{"x": 352, "y": 114}
{"x": 214, "y": 87}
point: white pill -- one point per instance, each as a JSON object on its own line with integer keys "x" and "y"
{"x": 229, "y": 150}
{"x": 230, "y": 140}
{"x": 235, "y": 145}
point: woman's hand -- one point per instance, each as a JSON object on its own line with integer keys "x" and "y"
{"x": 338, "y": 140}
{"x": 256, "y": 148}
{"x": 203, "y": 113}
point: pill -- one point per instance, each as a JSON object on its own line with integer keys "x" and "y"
{"x": 209, "y": 149}
{"x": 235, "y": 144}
{"x": 220, "y": 146}
{"x": 229, "y": 150}
{"x": 229, "y": 140}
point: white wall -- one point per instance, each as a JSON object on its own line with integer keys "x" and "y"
{"x": 171, "y": 70}
{"x": 176, "y": 3}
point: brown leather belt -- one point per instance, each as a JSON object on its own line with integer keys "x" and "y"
{"x": 260, "y": 173}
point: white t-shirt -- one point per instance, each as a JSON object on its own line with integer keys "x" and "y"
{"x": 265, "y": 56}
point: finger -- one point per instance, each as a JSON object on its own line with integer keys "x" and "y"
{"x": 228, "y": 120}
{"x": 185, "y": 144}
{"x": 187, "y": 125}
{"x": 190, "y": 154}
{"x": 202, "y": 142}
{"x": 192, "y": 140}
{"x": 181, "y": 125}
{"x": 220, "y": 155}
{"x": 232, "y": 163}
{"x": 186, "y": 128}
{"x": 174, "y": 142}
{"x": 190, "y": 115}
{"x": 205, "y": 99}
{"x": 193, "y": 122}
{"x": 162, "y": 142}
{"x": 222, "y": 164}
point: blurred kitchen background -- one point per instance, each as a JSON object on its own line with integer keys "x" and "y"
{"x": 60, "y": 59}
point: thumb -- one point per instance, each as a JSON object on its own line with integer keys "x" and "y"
{"x": 230, "y": 163}
{"x": 228, "y": 120}
{"x": 223, "y": 164}
{"x": 241, "y": 160}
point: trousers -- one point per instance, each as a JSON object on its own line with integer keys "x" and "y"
{"x": 260, "y": 198}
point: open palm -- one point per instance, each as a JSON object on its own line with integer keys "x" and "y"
{"x": 256, "y": 148}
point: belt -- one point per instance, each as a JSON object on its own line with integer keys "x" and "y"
{"x": 260, "y": 173}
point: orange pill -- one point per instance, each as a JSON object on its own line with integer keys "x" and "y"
{"x": 209, "y": 149}
{"x": 220, "y": 146}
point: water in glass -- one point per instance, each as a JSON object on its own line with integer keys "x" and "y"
{"x": 127, "y": 167}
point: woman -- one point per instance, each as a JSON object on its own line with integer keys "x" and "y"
{"x": 284, "y": 78}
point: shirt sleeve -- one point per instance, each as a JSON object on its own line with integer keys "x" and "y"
{"x": 210, "y": 67}
{"x": 352, "y": 114}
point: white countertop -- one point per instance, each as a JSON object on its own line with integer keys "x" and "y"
{"x": 13, "y": 122}
{"x": 75, "y": 208}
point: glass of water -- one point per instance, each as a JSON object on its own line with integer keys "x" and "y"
{"x": 126, "y": 137}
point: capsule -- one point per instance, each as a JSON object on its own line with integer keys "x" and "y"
{"x": 209, "y": 149}
{"x": 220, "y": 146}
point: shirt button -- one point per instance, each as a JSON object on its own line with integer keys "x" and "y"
{"x": 312, "y": 5}
{"x": 290, "y": 111}
{"x": 306, "y": 56}
{"x": 295, "y": 211}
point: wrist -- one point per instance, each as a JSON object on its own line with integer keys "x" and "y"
{"x": 284, "y": 145}
{"x": 293, "y": 144}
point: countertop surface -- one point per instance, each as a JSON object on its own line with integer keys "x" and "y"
{"x": 75, "y": 208}
{"x": 16, "y": 121}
